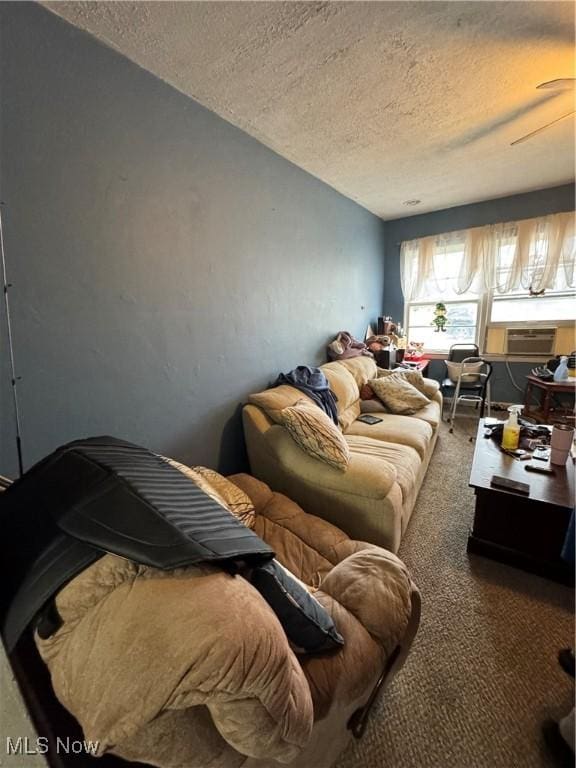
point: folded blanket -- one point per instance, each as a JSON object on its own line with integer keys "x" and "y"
{"x": 313, "y": 383}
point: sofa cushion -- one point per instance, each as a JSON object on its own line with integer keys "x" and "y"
{"x": 362, "y": 368}
{"x": 316, "y": 434}
{"x": 428, "y": 387}
{"x": 406, "y": 430}
{"x": 404, "y": 459}
{"x": 398, "y": 395}
{"x": 344, "y": 386}
{"x": 305, "y": 544}
{"x": 372, "y": 406}
{"x": 431, "y": 413}
{"x": 274, "y": 400}
{"x": 365, "y": 476}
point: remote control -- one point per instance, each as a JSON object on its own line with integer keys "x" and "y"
{"x": 544, "y": 469}
{"x": 509, "y": 485}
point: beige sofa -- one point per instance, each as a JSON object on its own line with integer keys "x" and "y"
{"x": 373, "y": 499}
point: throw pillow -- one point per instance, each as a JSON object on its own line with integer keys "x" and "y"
{"x": 367, "y": 393}
{"x": 470, "y": 375}
{"x": 238, "y": 502}
{"x": 307, "y": 624}
{"x": 221, "y": 490}
{"x": 428, "y": 387}
{"x": 316, "y": 434}
{"x": 398, "y": 395}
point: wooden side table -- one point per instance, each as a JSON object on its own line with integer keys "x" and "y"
{"x": 421, "y": 365}
{"x": 543, "y": 412}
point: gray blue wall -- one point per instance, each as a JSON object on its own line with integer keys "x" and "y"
{"x": 524, "y": 206}
{"x": 164, "y": 263}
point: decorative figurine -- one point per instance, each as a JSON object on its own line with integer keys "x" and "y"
{"x": 440, "y": 319}
{"x": 414, "y": 351}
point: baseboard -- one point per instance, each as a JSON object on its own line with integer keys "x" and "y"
{"x": 495, "y": 405}
{"x": 499, "y": 406}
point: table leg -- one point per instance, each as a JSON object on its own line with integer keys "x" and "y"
{"x": 546, "y": 406}
{"x": 527, "y": 399}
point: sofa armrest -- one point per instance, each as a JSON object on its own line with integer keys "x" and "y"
{"x": 437, "y": 395}
{"x": 432, "y": 383}
{"x": 374, "y": 586}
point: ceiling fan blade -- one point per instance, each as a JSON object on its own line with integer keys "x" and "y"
{"x": 561, "y": 84}
{"x": 542, "y": 128}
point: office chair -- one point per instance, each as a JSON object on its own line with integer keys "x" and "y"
{"x": 474, "y": 390}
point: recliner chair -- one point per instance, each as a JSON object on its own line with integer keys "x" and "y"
{"x": 193, "y": 668}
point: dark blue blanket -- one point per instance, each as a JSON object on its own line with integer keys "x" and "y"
{"x": 313, "y": 383}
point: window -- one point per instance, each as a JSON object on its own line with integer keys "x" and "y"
{"x": 515, "y": 272}
{"x": 517, "y": 305}
{"x": 446, "y": 281}
{"x": 523, "y": 308}
{"x": 461, "y": 328}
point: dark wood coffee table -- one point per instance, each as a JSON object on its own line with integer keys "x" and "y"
{"x": 524, "y": 531}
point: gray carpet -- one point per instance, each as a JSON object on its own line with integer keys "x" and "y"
{"x": 482, "y": 674}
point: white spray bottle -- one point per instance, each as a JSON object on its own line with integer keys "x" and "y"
{"x": 511, "y": 432}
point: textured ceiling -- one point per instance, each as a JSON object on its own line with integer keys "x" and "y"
{"x": 384, "y": 101}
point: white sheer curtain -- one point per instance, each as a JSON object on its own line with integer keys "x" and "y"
{"x": 514, "y": 256}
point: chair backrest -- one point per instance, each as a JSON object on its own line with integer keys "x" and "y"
{"x": 459, "y": 352}
{"x": 481, "y": 375}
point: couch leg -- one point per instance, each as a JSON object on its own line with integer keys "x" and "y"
{"x": 359, "y": 719}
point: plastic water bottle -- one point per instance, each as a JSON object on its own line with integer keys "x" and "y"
{"x": 561, "y": 373}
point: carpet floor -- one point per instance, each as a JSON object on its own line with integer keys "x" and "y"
{"x": 482, "y": 674}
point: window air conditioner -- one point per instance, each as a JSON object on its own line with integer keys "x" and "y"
{"x": 530, "y": 341}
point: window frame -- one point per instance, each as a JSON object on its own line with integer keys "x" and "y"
{"x": 483, "y": 323}
{"x": 490, "y": 297}
{"x": 479, "y": 301}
